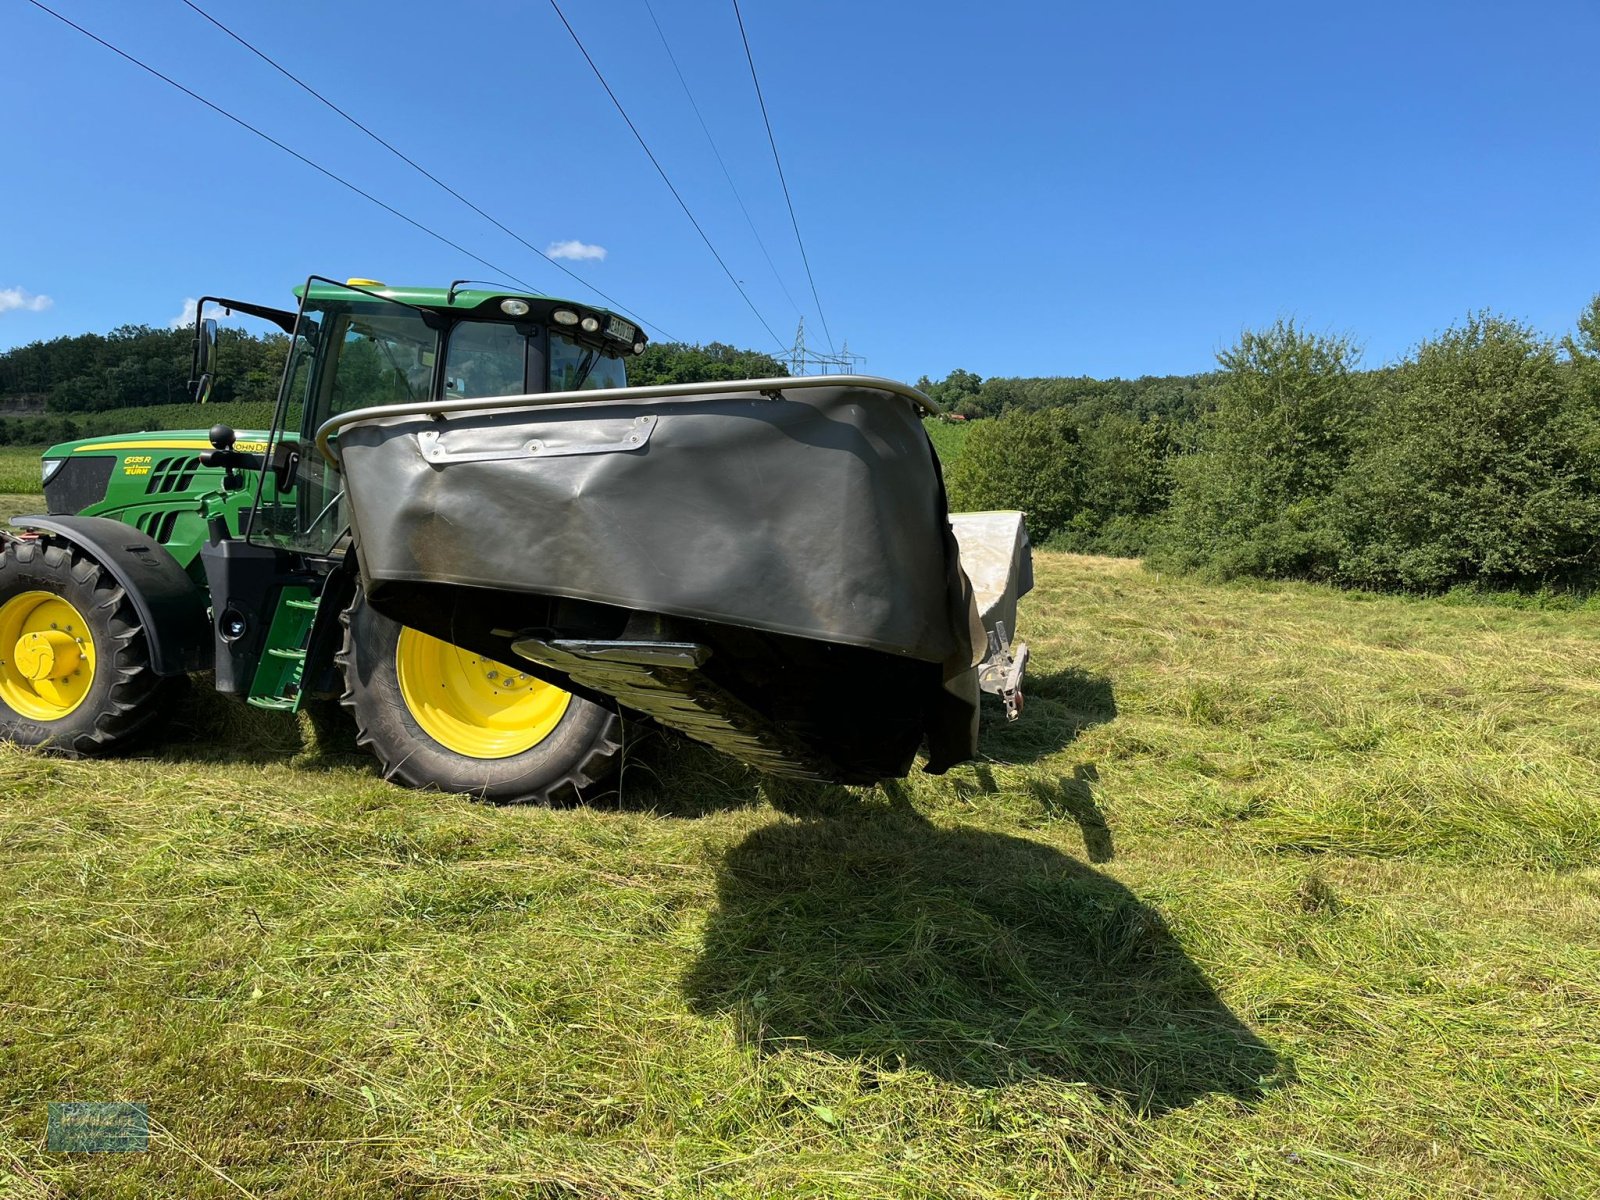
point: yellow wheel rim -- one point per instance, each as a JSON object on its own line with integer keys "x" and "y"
{"x": 47, "y": 656}
{"x": 474, "y": 706}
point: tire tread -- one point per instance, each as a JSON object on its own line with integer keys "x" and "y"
{"x": 132, "y": 704}
{"x": 593, "y": 766}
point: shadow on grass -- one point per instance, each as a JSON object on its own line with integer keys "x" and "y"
{"x": 1075, "y": 798}
{"x": 1057, "y": 708}
{"x": 666, "y": 773}
{"x": 661, "y": 772}
{"x": 205, "y": 727}
{"x": 1064, "y": 797}
{"x": 985, "y": 959}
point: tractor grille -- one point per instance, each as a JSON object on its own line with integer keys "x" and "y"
{"x": 158, "y": 524}
{"x": 80, "y": 482}
{"x": 173, "y": 475}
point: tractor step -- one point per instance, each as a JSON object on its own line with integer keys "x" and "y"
{"x": 277, "y": 680}
{"x": 271, "y": 702}
{"x": 663, "y": 680}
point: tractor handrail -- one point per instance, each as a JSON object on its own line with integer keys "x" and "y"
{"x": 622, "y": 395}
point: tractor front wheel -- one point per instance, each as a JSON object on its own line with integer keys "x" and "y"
{"x": 437, "y": 716}
{"x": 75, "y": 671}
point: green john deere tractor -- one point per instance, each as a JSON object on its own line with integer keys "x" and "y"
{"x": 167, "y": 553}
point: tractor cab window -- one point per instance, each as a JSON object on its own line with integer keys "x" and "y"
{"x": 574, "y": 366}
{"x": 487, "y": 358}
{"x": 351, "y": 350}
{"x": 385, "y": 358}
{"x": 297, "y": 379}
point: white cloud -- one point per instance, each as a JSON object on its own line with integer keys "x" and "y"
{"x": 187, "y": 316}
{"x": 576, "y": 250}
{"x": 16, "y": 298}
{"x": 185, "y": 319}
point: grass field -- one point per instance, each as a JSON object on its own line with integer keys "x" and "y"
{"x": 19, "y": 477}
{"x": 948, "y": 438}
{"x": 1273, "y": 892}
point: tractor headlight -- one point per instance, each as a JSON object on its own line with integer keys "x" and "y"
{"x": 514, "y": 308}
{"x": 49, "y": 468}
{"x": 564, "y": 316}
{"x": 590, "y": 324}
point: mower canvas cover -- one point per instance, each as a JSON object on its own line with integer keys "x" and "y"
{"x": 771, "y": 571}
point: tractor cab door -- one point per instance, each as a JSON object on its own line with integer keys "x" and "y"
{"x": 275, "y": 614}
{"x": 352, "y": 348}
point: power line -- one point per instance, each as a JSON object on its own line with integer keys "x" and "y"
{"x": 660, "y": 171}
{"x": 306, "y": 87}
{"x": 712, "y": 142}
{"x": 318, "y": 167}
{"x": 795, "y": 221}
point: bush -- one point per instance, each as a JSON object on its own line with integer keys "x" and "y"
{"x": 1252, "y": 499}
{"x": 1127, "y": 483}
{"x": 1095, "y": 486}
{"x": 1476, "y": 468}
{"x": 1025, "y": 460}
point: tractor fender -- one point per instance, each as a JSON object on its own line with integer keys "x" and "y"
{"x": 171, "y": 607}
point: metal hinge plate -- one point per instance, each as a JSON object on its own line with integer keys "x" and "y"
{"x": 619, "y": 436}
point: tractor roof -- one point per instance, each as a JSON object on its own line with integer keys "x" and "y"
{"x": 423, "y": 297}
{"x": 485, "y": 303}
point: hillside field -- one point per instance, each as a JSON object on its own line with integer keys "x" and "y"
{"x": 1274, "y": 891}
{"x": 948, "y": 438}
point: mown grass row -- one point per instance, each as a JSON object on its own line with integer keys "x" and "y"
{"x": 1272, "y": 892}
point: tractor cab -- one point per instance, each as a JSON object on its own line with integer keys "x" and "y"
{"x": 361, "y": 344}
{"x": 283, "y": 587}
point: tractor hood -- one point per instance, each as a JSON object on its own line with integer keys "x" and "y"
{"x": 149, "y": 441}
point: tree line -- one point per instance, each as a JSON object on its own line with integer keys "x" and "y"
{"x": 134, "y": 366}
{"x": 141, "y": 367}
{"x": 1473, "y": 461}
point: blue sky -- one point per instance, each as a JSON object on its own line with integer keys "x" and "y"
{"x": 1015, "y": 189}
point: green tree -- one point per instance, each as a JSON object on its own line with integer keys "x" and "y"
{"x": 678, "y": 362}
{"x": 137, "y": 365}
{"x": 957, "y": 392}
{"x": 1478, "y": 467}
{"x": 1584, "y": 343}
{"x": 1126, "y": 484}
{"x": 1582, "y": 348}
{"x": 1025, "y": 460}
{"x": 1252, "y": 499}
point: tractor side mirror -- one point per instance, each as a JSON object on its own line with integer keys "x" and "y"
{"x": 205, "y": 359}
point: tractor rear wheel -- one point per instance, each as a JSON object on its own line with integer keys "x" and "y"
{"x": 75, "y": 671}
{"x": 437, "y": 716}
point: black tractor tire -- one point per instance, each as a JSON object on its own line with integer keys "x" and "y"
{"x": 575, "y": 759}
{"x": 126, "y": 699}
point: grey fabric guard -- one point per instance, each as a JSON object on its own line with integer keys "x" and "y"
{"x": 820, "y": 513}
